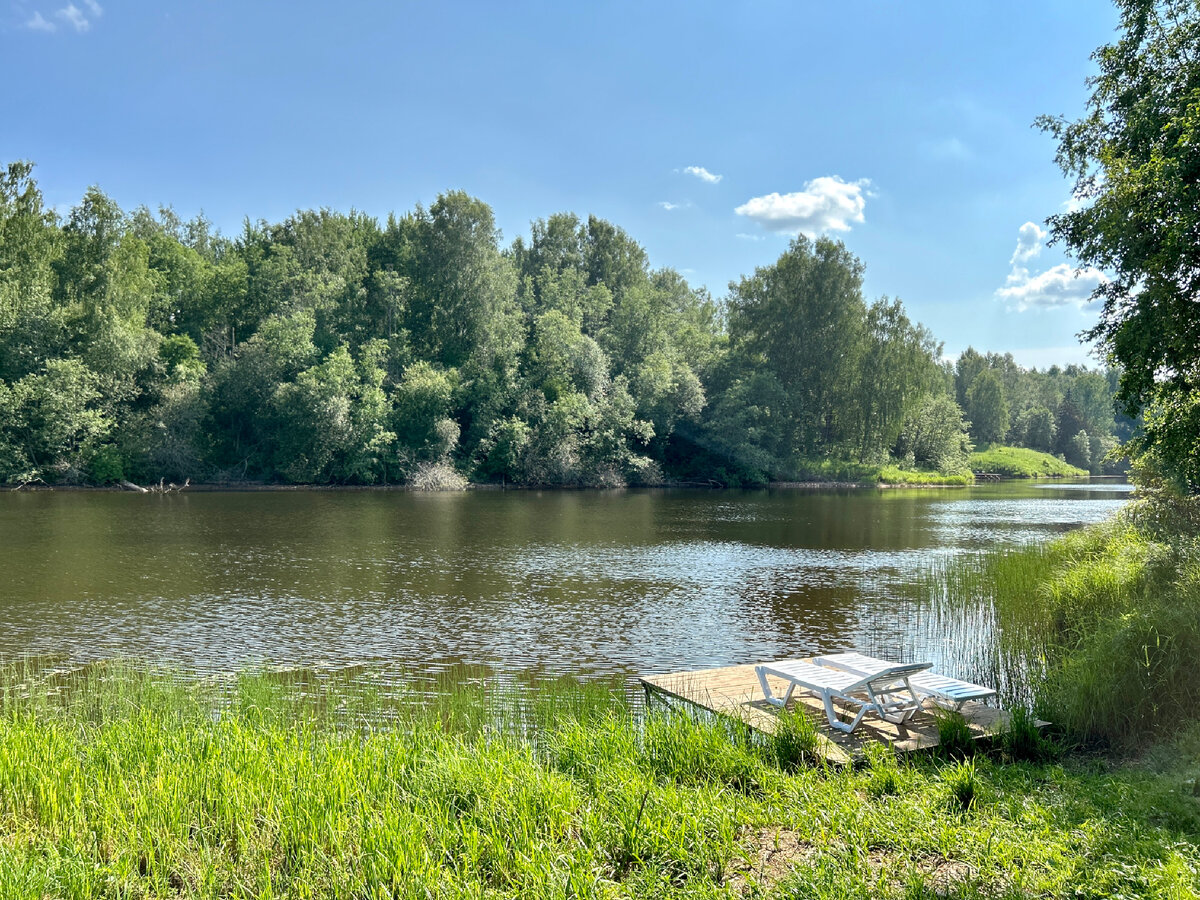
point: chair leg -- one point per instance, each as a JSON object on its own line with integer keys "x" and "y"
{"x": 768, "y": 694}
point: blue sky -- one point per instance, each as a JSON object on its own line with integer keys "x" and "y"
{"x": 710, "y": 131}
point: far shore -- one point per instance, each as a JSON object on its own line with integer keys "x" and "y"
{"x": 211, "y": 487}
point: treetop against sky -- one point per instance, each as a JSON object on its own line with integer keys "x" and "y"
{"x": 713, "y": 132}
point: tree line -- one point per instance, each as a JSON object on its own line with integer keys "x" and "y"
{"x": 333, "y": 348}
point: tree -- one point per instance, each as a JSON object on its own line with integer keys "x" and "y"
{"x": 987, "y": 408}
{"x": 1036, "y": 427}
{"x": 934, "y": 435}
{"x": 1137, "y": 176}
{"x": 899, "y": 369}
{"x": 802, "y": 319}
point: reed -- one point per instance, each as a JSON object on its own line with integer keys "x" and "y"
{"x": 1098, "y": 631}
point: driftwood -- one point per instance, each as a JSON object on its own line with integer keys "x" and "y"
{"x": 161, "y": 488}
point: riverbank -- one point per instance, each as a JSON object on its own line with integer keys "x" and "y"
{"x": 887, "y": 479}
{"x": 135, "y": 783}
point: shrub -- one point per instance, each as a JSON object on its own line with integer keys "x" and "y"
{"x": 436, "y": 476}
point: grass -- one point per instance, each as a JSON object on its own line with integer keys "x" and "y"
{"x": 1021, "y": 462}
{"x": 844, "y": 470}
{"x": 128, "y": 782}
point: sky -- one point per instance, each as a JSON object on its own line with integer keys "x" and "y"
{"x": 712, "y": 132}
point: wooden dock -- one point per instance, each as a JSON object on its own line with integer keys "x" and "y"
{"x": 734, "y": 691}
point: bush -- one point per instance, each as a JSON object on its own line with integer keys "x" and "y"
{"x": 436, "y": 476}
{"x": 107, "y": 465}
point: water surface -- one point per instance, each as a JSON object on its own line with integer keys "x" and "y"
{"x": 582, "y": 583}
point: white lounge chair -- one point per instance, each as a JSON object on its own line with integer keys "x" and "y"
{"x": 941, "y": 688}
{"x": 886, "y": 693}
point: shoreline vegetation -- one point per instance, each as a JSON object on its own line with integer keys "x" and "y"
{"x": 1009, "y": 462}
{"x": 335, "y": 348}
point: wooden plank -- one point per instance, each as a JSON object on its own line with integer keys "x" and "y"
{"x": 734, "y": 691}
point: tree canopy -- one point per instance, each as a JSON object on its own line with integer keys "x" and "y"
{"x": 1135, "y": 159}
{"x": 334, "y": 348}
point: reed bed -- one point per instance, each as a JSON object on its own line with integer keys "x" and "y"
{"x": 1099, "y": 630}
{"x": 127, "y": 781}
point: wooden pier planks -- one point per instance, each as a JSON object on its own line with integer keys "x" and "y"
{"x": 734, "y": 691}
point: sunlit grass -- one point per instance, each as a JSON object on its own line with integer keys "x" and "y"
{"x": 121, "y": 781}
{"x": 1021, "y": 462}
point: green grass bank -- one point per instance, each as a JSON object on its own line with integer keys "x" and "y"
{"x": 124, "y": 782}
{"x": 1021, "y": 462}
{"x": 845, "y": 470}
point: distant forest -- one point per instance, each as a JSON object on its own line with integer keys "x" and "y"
{"x": 331, "y": 348}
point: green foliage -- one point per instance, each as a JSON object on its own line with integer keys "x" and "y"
{"x": 1019, "y": 462}
{"x": 1098, "y": 628}
{"x": 107, "y": 465}
{"x": 795, "y": 739}
{"x": 331, "y": 348}
{"x": 934, "y": 435}
{"x": 987, "y": 408}
{"x": 1022, "y": 740}
{"x": 1132, "y": 155}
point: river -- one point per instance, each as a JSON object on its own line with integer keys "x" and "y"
{"x": 583, "y": 583}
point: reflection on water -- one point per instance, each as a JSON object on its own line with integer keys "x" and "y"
{"x": 565, "y": 582}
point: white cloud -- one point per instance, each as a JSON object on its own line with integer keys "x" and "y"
{"x": 1060, "y": 285}
{"x": 96, "y": 9}
{"x": 1074, "y": 204}
{"x": 38, "y": 22}
{"x": 1029, "y": 243}
{"x": 668, "y": 205}
{"x": 73, "y": 16}
{"x": 826, "y": 204}
{"x": 703, "y": 174}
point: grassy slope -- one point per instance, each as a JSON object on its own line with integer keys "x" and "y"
{"x": 851, "y": 471}
{"x": 1021, "y": 462}
{"x": 126, "y": 786}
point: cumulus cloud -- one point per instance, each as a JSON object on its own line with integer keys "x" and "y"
{"x": 1060, "y": 285}
{"x": 70, "y": 16}
{"x": 826, "y": 204}
{"x": 703, "y": 174}
{"x": 1029, "y": 243}
{"x": 38, "y": 22}
{"x": 668, "y": 205}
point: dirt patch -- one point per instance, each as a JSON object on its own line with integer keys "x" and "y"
{"x": 945, "y": 875}
{"x": 771, "y": 854}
